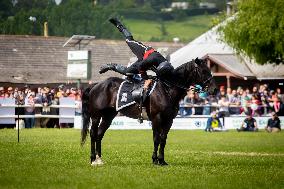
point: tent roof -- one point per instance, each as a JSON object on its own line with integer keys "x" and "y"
{"x": 210, "y": 44}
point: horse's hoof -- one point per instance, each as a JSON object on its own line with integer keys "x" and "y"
{"x": 97, "y": 162}
{"x": 163, "y": 163}
{"x": 155, "y": 161}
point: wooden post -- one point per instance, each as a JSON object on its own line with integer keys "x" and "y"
{"x": 228, "y": 81}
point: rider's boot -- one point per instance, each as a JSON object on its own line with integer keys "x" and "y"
{"x": 115, "y": 67}
{"x": 121, "y": 28}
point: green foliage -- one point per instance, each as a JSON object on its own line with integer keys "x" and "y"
{"x": 186, "y": 30}
{"x": 27, "y": 5}
{"x": 53, "y": 158}
{"x": 258, "y": 30}
{"x": 83, "y": 17}
{"x": 6, "y": 9}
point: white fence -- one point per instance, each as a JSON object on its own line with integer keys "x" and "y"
{"x": 67, "y": 115}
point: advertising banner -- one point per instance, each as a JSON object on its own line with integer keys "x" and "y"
{"x": 65, "y": 101}
{"x": 7, "y": 111}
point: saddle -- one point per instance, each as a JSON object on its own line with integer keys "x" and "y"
{"x": 131, "y": 91}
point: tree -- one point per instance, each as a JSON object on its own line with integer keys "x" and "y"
{"x": 6, "y": 7}
{"x": 75, "y": 17}
{"x": 258, "y": 30}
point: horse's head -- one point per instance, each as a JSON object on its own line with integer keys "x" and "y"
{"x": 196, "y": 72}
{"x": 204, "y": 76}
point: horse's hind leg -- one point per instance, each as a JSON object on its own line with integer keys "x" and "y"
{"x": 104, "y": 125}
{"x": 93, "y": 135}
{"x": 166, "y": 127}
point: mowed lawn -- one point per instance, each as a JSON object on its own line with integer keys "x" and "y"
{"x": 53, "y": 158}
{"x": 186, "y": 30}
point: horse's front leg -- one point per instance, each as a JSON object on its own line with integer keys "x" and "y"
{"x": 161, "y": 157}
{"x": 156, "y": 140}
{"x": 163, "y": 135}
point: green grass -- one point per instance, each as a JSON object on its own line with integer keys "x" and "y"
{"x": 186, "y": 30}
{"x": 53, "y": 158}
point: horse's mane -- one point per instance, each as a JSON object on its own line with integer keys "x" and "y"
{"x": 185, "y": 74}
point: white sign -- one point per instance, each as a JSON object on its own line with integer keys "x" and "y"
{"x": 4, "y": 111}
{"x": 77, "y": 70}
{"x": 236, "y": 122}
{"x": 65, "y": 101}
{"x": 189, "y": 123}
{"x": 78, "y": 55}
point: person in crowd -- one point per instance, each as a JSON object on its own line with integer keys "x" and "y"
{"x": 10, "y": 92}
{"x": 206, "y": 104}
{"x": 212, "y": 101}
{"x": 78, "y": 104}
{"x": 255, "y": 106}
{"x": 73, "y": 93}
{"x": 240, "y": 91}
{"x": 249, "y": 124}
{"x": 276, "y": 102}
{"x": 255, "y": 92}
{"x": 273, "y": 124}
{"x": 30, "y": 110}
{"x": 16, "y": 92}
{"x": 46, "y": 102}
{"x": 223, "y": 106}
{"x": 214, "y": 124}
{"x": 221, "y": 92}
{"x": 234, "y": 103}
{"x": 53, "y": 122}
{"x": 248, "y": 92}
{"x": 2, "y": 92}
{"x": 199, "y": 102}
{"x": 60, "y": 92}
{"x": 229, "y": 94}
{"x": 280, "y": 95}
{"x": 188, "y": 102}
{"x": 265, "y": 101}
{"x": 245, "y": 100}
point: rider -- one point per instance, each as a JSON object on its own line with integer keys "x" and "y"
{"x": 148, "y": 58}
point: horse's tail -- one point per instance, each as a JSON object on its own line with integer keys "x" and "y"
{"x": 85, "y": 113}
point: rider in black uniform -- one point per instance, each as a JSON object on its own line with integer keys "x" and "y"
{"x": 148, "y": 58}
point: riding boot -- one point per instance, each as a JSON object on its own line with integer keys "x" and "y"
{"x": 144, "y": 95}
{"x": 121, "y": 28}
{"x": 115, "y": 67}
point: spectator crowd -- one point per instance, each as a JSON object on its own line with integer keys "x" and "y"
{"x": 258, "y": 100}
{"x": 44, "y": 96}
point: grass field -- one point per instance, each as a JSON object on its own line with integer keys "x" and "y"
{"x": 53, "y": 158}
{"x": 186, "y": 30}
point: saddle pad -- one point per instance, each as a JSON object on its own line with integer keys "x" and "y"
{"x": 124, "y": 94}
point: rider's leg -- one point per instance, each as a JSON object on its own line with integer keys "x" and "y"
{"x": 121, "y": 28}
{"x": 136, "y": 47}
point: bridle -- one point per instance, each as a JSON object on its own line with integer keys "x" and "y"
{"x": 196, "y": 89}
{"x": 204, "y": 83}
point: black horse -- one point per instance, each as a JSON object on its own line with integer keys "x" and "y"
{"x": 99, "y": 104}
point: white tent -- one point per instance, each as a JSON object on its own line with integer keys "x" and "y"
{"x": 209, "y": 44}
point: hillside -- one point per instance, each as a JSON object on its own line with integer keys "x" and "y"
{"x": 186, "y": 30}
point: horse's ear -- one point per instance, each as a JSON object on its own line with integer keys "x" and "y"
{"x": 198, "y": 61}
{"x": 193, "y": 62}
